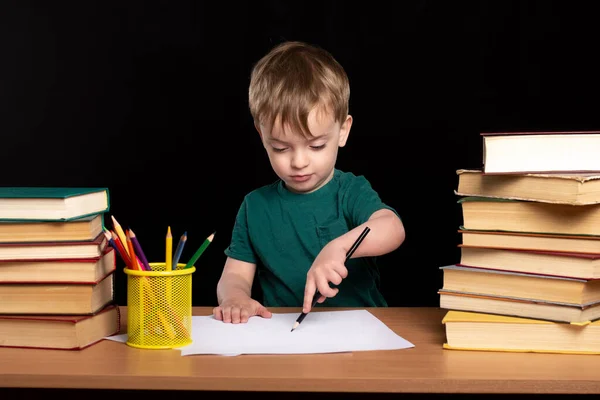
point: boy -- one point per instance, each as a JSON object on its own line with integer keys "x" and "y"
{"x": 295, "y": 232}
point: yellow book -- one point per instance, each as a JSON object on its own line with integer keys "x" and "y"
{"x": 487, "y": 332}
{"x": 573, "y": 188}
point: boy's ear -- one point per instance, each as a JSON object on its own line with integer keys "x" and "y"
{"x": 345, "y": 131}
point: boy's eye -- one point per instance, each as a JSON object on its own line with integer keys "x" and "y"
{"x": 278, "y": 149}
{"x": 319, "y": 147}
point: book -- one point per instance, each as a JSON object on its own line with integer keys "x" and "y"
{"x": 539, "y": 152}
{"x": 51, "y": 203}
{"x": 531, "y": 241}
{"x": 519, "y": 307}
{"x": 53, "y": 250}
{"x": 572, "y": 265}
{"x": 488, "y": 214}
{"x": 488, "y": 332}
{"x": 86, "y": 270}
{"x": 86, "y": 228}
{"x": 480, "y": 281}
{"x": 56, "y": 298}
{"x": 573, "y": 189}
{"x": 75, "y": 332}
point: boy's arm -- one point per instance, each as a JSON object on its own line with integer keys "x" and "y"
{"x": 386, "y": 235}
{"x": 236, "y": 280}
{"x": 234, "y": 292}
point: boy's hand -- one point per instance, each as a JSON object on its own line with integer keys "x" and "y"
{"x": 238, "y": 310}
{"x": 327, "y": 267}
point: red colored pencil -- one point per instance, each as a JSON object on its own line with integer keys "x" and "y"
{"x": 121, "y": 249}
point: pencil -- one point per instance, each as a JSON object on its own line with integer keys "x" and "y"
{"x": 112, "y": 243}
{"x": 169, "y": 251}
{"x": 121, "y": 234}
{"x": 134, "y": 262}
{"x": 120, "y": 247}
{"x": 179, "y": 250}
{"x": 317, "y": 295}
{"x": 200, "y": 250}
{"x": 138, "y": 250}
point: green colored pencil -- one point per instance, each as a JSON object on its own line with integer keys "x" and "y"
{"x": 199, "y": 252}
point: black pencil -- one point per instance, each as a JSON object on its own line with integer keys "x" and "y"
{"x": 348, "y": 255}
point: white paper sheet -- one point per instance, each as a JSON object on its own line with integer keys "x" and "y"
{"x": 122, "y": 338}
{"x": 320, "y": 332}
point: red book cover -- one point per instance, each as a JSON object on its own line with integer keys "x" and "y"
{"x": 32, "y": 251}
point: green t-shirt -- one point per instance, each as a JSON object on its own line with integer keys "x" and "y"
{"x": 283, "y": 232}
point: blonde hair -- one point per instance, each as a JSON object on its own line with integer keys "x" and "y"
{"x": 291, "y": 80}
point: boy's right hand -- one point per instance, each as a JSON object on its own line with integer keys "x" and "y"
{"x": 237, "y": 311}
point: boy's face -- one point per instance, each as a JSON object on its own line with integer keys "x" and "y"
{"x": 305, "y": 164}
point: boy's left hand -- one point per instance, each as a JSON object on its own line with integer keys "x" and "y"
{"x": 327, "y": 267}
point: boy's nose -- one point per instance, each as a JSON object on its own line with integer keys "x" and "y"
{"x": 300, "y": 160}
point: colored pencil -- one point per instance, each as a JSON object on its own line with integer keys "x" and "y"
{"x": 169, "y": 251}
{"x": 179, "y": 250}
{"x": 138, "y": 250}
{"x": 120, "y": 247}
{"x": 112, "y": 243}
{"x": 121, "y": 234}
{"x": 134, "y": 261}
{"x": 200, "y": 250}
{"x": 317, "y": 295}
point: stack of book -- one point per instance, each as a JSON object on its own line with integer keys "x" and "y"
{"x": 529, "y": 272}
{"x": 56, "y": 268}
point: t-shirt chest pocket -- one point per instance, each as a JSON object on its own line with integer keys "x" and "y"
{"x": 332, "y": 230}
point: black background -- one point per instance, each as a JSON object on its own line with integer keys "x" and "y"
{"x": 149, "y": 99}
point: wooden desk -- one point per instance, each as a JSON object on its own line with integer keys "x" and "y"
{"x": 427, "y": 368}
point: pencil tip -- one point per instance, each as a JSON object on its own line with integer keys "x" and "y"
{"x": 113, "y": 219}
{"x": 211, "y": 237}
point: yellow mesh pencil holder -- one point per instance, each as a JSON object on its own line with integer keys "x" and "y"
{"x": 159, "y": 307}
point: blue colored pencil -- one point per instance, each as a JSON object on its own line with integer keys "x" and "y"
{"x": 179, "y": 249}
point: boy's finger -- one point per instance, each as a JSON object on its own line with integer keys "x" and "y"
{"x": 263, "y": 312}
{"x": 227, "y": 314}
{"x": 324, "y": 288}
{"x": 341, "y": 270}
{"x": 218, "y": 314}
{"x": 334, "y": 277}
{"x": 309, "y": 293}
{"x": 235, "y": 315}
{"x": 244, "y": 315}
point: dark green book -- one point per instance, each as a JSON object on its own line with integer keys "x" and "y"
{"x": 51, "y": 203}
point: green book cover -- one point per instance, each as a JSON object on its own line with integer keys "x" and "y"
{"x": 46, "y": 192}
{"x": 85, "y": 218}
{"x": 29, "y": 211}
